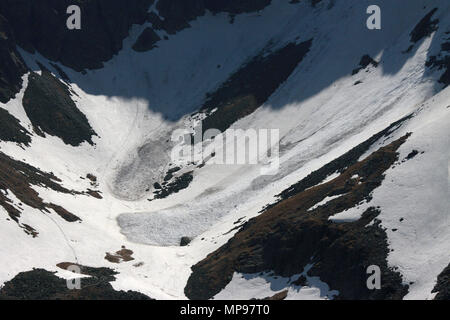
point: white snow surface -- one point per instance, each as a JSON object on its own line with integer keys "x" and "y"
{"x": 265, "y": 285}
{"x": 138, "y": 99}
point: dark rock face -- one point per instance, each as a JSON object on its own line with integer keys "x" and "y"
{"x": 236, "y": 6}
{"x": 185, "y": 241}
{"x": 40, "y": 284}
{"x": 443, "y": 285}
{"x": 11, "y": 130}
{"x": 425, "y": 27}
{"x": 249, "y": 87}
{"x": 178, "y": 13}
{"x": 442, "y": 62}
{"x": 338, "y": 165}
{"x": 12, "y": 67}
{"x": 179, "y": 183}
{"x": 287, "y": 236}
{"x": 41, "y": 26}
{"x": 18, "y": 178}
{"x": 49, "y": 106}
{"x": 146, "y": 40}
{"x": 366, "y": 60}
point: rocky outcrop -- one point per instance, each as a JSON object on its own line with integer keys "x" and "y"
{"x": 12, "y": 67}
{"x": 18, "y": 178}
{"x": 41, "y": 26}
{"x": 11, "y": 129}
{"x": 177, "y": 14}
{"x": 40, "y": 284}
{"x": 425, "y": 27}
{"x": 146, "y": 41}
{"x": 290, "y": 234}
{"x": 442, "y": 61}
{"x": 366, "y": 60}
{"x": 50, "y": 108}
{"x": 443, "y": 285}
{"x": 179, "y": 183}
{"x": 123, "y": 255}
{"x": 249, "y": 87}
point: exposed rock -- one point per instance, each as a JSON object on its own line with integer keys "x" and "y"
{"x": 12, "y": 67}
{"x": 180, "y": 183}
{"x": 236, "y": 6}
{"x": 443, "y": 285}
{"x": 91, "y": 177}
{"x": 185, "y": 241}
{"x": 315, "y": 2}
{"x": 146, "y": 40}
{"x": 442, "y": 62}
{"x": 11, "y": 130}
{"x": 18, "y": 178}
{"x": 123, "y": 255}
{"x": 40, "y": 284}
{"x": 279, "y": 296}
{"x": 178, "y": 13}
{"x": 94, "y": 194}
{"x": 248, "y": 88}
{"x": 301, "y": 281}
{"x": 41, "y": 26}
{"x": 425, "y": 27}
{"x": 155, "y": 20}
{"x": 412, "y": 154}
{"x": 50, "y": 108}
{"x": 338, "y": 165}
{"x": 157, "y": 186}
{"x": 366, "y": 60}
{"x": 287, "y": 235}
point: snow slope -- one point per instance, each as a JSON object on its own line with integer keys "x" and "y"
{"x": 137, "y": 100}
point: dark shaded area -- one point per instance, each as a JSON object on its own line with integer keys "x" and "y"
{"x": 443, "y": 285}
{"x": 366, "y": 60}
{"x": 50, "y": 108}
{"x": 249, "y": 87}
{"x": 123, "y": 255}
{"x": 41, "y": 26}
{"x": 18, "y": 178}
{"x": 184, "y": 241}
{"x": 425, "y": 27}
{"x": 12, "y": 67}
{"x": 40, "y": 284}
{"x": 146, "y": 40}
{"x": 339, "y": 165}
{"x": 288, "y": 236}
{"x": 11, "y": 130}
{"x": 178, "y": 13}
{"x": 278, "y": 296}
{"x": 167, "y": 188}
{"x": 441, "y": 62}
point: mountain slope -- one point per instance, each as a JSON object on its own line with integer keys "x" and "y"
{"x": 363, "y": 121}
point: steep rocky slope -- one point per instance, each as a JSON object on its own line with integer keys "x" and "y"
{"x": 88, "y": 175}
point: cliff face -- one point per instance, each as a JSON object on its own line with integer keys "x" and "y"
{"x": 178, "y": 13}
{"x": 12, "y": 66}
{"x": 40, "y": 26}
